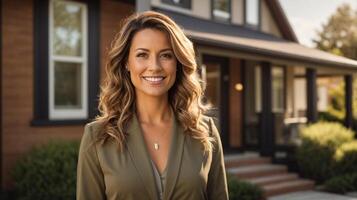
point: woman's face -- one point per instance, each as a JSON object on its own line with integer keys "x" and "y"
{"x": 152, "y": 63}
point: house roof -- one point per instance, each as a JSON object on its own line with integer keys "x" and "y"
{"x": 245, "y": 40}
{"x": 282, "y": 21}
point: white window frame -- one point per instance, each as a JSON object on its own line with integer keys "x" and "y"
{"x": 70, "y": 113}
{"x": 221, "y": 15}
{"x": 248, "y": 13}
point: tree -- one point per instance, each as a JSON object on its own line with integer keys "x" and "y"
{"x": 339, "y": 34}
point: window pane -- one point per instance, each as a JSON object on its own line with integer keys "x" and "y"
{"x": 278, "y": 89}
{"x": 300, "y": 92}
{"x": 221, "y": 10}
{"x": 252, "y": 12}
{"x": 252, "y": 96}
{"x": 213, "y": 83}
{"x": 68, "y": 87}
{"x": 330, "y": 97}
{"x": 212, "y": 91}
{"x": 67, "y": 29}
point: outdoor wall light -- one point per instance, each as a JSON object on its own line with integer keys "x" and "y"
{"x": 239, "y": 87}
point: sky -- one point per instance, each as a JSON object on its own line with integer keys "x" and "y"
{"x": 307, "y": 16}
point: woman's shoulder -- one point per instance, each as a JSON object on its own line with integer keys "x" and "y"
{"x": 94, "y": 126}
{"x": 91, "y": 131}
{"x": 210, "y": 122}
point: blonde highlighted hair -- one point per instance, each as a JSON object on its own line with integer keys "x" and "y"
{"x": 117, "y": 97}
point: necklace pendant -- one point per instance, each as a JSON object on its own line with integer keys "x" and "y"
{"x": 156, "y": 146}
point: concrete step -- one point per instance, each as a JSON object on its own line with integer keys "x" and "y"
{"x": 245, "y": 160}
{"x": 287, "y": 187}
{"x": 271, "y": 179}
{"x": 255, "y": 171}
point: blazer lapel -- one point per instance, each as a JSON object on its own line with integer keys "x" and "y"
{"x": 175, "y": 157}
{"x": 141, "y": 158}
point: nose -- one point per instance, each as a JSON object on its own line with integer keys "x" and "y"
{"x": 154, "y": 64}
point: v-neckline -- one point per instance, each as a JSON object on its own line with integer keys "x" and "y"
{"x": 172, "y": 131}
{"x": 141, "y": 158}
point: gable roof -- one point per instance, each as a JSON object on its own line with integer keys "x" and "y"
{"x": 281, "y": 20}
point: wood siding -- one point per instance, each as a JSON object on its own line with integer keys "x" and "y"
{"x": 235, "y": 103}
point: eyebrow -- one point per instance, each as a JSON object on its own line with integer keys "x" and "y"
{"x": 143, "y": 49}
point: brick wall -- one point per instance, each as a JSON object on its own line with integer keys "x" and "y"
{"x": 17, "y": 78}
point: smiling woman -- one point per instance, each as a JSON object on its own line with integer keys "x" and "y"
{"x": 151, "y": 140}
{"x": 151, "y": 63}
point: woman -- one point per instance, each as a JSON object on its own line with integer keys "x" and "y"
{"x": 151, "y": 140}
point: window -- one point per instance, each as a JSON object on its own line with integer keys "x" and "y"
{"x": 251, "y": 12}
{"x": 258, "y": 88}
{"x": 66, "y": 56}
{"x": 221, "y": 10}
{"x": 252, "y": 102}
{"x": 68, "y": 60}
{"x": 278, "y": 93}
{"x": 179, "y": 3}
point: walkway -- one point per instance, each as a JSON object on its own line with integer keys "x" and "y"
{"x": 311, "y": 195}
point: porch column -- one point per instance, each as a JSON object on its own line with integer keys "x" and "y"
{"x": 348, "y": 100}
{"x": 311, "y": 112}
{"x": 266, "y": 134}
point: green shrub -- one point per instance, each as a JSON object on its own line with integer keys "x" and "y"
{"x": 47, "y": 172}
{"x": 241, "y": 190}
{"x": 342, "y": 184}
{"x": 346, "y": 158}
{"x": 329, "y": 117}
{"x": 315, "y": 155}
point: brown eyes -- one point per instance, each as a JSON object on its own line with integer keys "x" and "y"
{"x": 163, "y": 55}
{"x": 141, "y": 55}
{"x": 166, "y": 55}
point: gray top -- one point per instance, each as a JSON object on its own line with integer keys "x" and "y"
{"x": 160, "y": 180}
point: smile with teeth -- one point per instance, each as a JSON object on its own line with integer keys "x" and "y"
{"x": 153, "y": 79}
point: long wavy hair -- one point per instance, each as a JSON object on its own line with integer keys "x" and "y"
{"x": 117, "y": 97}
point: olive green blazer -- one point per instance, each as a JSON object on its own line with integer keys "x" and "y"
{"x": 103, "y": 172}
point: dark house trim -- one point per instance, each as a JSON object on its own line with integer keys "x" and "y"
{"x": 252, "y": 26}
{"x": 41, "y": 17}
{"x": 41, "y": 60}
{"x": 348, "y": 100}
{"x": 93, "y": 57}
{"x": 47, "y": 122}
{"x": 267, "y": 137}
{"x": 311, "y": 112}
{"x": 1, "y": 96}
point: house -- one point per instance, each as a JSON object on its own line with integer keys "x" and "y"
{"x": 53, "y": 54}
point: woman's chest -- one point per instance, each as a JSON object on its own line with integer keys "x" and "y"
{"x": 127, "y": 175}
